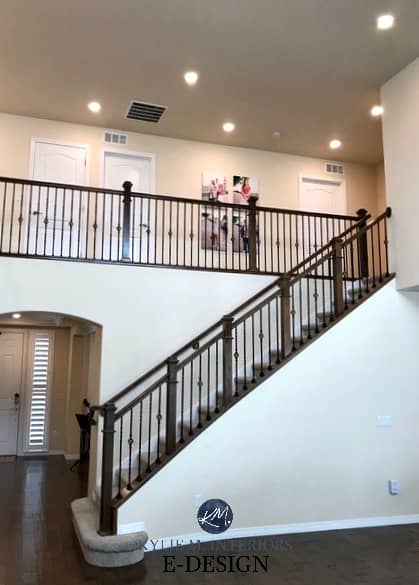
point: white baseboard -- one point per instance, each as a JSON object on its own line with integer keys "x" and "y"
{"x": 131, "y": 527}
{"x": 277, "y": 529}
{"x": 71, "y": 456}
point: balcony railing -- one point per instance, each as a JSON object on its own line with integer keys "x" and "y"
{"x": 69, "y": 222}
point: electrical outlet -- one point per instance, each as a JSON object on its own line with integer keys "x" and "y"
{"x": 198, "y": 500}
{"x": 384, "y": 421}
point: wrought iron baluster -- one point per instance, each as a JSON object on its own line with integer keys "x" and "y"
{"x": 236, "y": 356}
{"x": 208, "y": 384}
{"x": 200, "y": 384}
{"x": 159, "y": 418}
{"x": 191, "y": 401}
{"x": 121, "y": 430}
{"x": 182, "y": 406}
{"x": 140, "y": 440}
{"x": 150, "y": 408}
{"x": 130, "y": 444}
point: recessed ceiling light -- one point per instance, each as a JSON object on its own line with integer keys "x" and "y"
{"x": 94, "y": 107}
{"x": 335, "y": 143}
{"x": 191, "y": 77}
{"x": 228, "y": 126}
{"x": 377, "y": 111}
{"x": 385, "y": 22}
{"x": 16, "y": 315}
{"x": 276, "y": 133}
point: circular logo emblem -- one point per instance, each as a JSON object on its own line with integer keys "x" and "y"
{"x": 215, "y": 516}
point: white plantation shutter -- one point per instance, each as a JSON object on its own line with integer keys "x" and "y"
{"x": 39, "y": 385}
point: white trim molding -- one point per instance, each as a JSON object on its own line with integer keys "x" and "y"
{"x": 35, "y": 140}
{"x": 271, "y": 530}
{"x": 133, "y": 153}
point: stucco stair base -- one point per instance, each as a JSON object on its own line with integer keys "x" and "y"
{"x": 104, "y": 551}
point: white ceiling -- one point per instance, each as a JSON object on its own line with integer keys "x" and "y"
{"x": 309, "y": 68}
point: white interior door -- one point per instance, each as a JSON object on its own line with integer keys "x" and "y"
{"x": 11, "y": 360}
{"x": 55, "y": 215}
{"x": 139, "y": 170}
{"x": 321, "y": 196}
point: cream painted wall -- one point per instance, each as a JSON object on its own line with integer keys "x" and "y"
{"x": 305, "y": 447}
{"x": 146, "y": 313}
{"x": 380, "y": 182}
{"x": 400, "y": 98}
{"x": 77, "y": 391}
{"x": 59, "y": 390}
{"x": 181, "y": 162}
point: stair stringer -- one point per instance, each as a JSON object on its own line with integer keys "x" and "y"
{"x": 288, "y": 451}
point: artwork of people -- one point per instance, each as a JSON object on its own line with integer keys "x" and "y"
{"x": 214, "y": 222}
{"x": 243, "y": 188}
{"x": 214, "y": 230}
{"x": 214, "y": 187}
{"x": 240, "y": 234}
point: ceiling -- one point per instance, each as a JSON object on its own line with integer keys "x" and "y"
{"x": 309, "y": 68}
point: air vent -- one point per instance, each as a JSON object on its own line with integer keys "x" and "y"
{"x": 146, "y": 112}
{"x": 115, "y": 138}
{"x": 334, "y": 168}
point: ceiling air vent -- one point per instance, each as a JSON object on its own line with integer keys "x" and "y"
{"x": 115, "y": 138}
{"x": 334, "y": 168}
{"x": 146, "y": 112}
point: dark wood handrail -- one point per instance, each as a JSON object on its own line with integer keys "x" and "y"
{"x": 278, "y": 327}
{"x": 323, "y": 253}
{"x": 90, "y": 189}
{"x": 356, "y": 226}
{"x": 345, "y": 243}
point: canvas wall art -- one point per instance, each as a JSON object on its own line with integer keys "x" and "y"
{"x": 243, "y": 188}
{"x": 214, "y": 187}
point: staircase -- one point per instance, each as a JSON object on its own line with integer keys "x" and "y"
{"x": 153, "y": 419}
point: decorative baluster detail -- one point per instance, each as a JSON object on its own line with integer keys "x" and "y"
{"x": 159, "y": 419}
{"x": 130, "y": 444}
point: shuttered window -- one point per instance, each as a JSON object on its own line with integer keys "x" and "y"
{"x": 39, "y": 385}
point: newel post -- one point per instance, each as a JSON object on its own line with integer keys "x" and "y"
{"x": 107, "y": 512}
{"x": 363, "y": 244}
{"x": 126, "y": 221}
{"x": 227, "y": 359}
{"x": 285, "y": 311}
{"x": 337, "y": 261}
{"x": 253, "y": 234}
{"x": 172, "y": 370}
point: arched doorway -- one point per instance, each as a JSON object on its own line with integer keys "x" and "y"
{"x": 49, "y": 370}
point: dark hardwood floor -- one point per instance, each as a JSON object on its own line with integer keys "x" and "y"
{"x": 38, "y": 545}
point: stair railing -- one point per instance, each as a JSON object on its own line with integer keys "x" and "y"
{"x": 88, "y": 224}
{"x": 154, "y": 417}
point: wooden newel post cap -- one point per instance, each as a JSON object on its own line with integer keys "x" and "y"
{"x": 227, "y": 318}
{"x": 361, "y": 213}
{"x": 127, "y": 186}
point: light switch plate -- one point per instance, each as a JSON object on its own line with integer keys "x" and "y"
{"x": 393, "y": 487}
{"x": 197, "y": 500}
{"x": 384, "y": 421}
